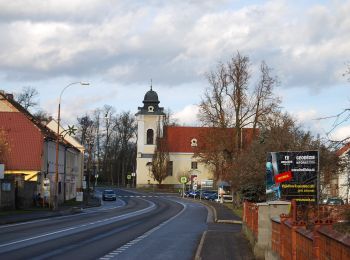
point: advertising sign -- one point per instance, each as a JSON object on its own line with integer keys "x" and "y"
{"x": 292, "y": 175}
{"x": 207, "y": 184}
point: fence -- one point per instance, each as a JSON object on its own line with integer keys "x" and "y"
{"x": 292, "y": 238}
{"x": 250, "y": 217}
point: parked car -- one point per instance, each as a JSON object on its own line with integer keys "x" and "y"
{"x": 213, "y": 196}
{"x": 192, "y": 193}
{"x": 109, "y": 195}
{"x": 334, "y": 201}
{"x": 206, "y": 193}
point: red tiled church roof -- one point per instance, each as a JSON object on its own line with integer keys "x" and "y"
{"x": 25, "y": 140}
{"x": 179, "y": 138}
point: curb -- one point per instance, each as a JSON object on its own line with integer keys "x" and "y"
{"x": 200, "y": 246}
{"x": 228, "y": 221}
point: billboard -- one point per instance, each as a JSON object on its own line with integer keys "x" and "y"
{"x": 292, "y": 175}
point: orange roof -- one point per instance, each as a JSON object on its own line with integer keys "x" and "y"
{"x": 25, "y": 140}
{"x": 343, "y": 150}
{"x": 179, "y": 137}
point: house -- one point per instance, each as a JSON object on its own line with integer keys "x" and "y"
{"x": 342, "y": 181}
{"x": 32, "y": 152}
{"x": 182, "y": 143}
{"x": 74, "y": 162}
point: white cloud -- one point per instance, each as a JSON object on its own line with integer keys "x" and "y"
{"x": 178, "y": 41}
{"x": 187, "y": 116}
{"x": 340, "y": 133}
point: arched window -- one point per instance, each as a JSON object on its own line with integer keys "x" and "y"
{"x": 149, "y": 136}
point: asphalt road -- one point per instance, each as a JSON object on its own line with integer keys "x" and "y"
{"x": 136, "y": 226}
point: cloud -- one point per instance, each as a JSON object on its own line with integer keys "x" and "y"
{"x": 187, "y": 116}
{"x": 128, "y": 42}
{"x": 341, "y": 133}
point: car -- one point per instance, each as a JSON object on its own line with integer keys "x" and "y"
{"x": 192, "y": 193}
{"x": 206, "y": 193}
{"x": 334, "y": 201}
{"x": 109, "y": 195}
{"x": 213, "y": 196}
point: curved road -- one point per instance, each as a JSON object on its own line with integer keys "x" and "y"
{"x": 136, "y": 226}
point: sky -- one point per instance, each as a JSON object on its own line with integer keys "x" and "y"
{"x": 119, "y": 46}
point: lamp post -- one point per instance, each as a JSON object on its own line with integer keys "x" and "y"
{"x": 55, "y": 202}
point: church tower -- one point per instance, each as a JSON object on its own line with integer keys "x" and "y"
{"x": 150, "y": 118}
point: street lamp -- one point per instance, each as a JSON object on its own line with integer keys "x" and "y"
{"x": 55, "y": 204}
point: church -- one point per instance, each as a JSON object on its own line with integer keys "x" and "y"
{"x": 181, "y": 142}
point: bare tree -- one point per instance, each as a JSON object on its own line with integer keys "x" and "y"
{"x": 42, "y": 116}
{"x": 160, "y": 159}
{"x": 231, "y": 101}
{"x": 27, "y": 98}
{"x": 126, "y": 132}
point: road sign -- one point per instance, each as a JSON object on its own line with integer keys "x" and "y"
{"x": 79, "y": 196}
{"x": 133, "y": 174}
{"x": 195, "y": 186}
{"x": 128, "y": 177}
{"x": 183, "y": 179}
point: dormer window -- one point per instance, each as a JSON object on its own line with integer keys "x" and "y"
{"x": 150, "y": 109}
{"x": 194, "y": 142}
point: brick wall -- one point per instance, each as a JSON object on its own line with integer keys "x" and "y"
{"x": 298, "y": 240}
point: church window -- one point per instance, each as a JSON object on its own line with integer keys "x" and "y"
{"x": 194, "y": 165}
{"x": 150, "y": 136}
{"x": 194, "y": 142}
{"x": 170, "y": 168}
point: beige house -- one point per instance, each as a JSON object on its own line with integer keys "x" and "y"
{"x": 343, "y": 179}
{"x": 73, "y": 156}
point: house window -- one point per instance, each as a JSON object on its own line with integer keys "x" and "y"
{"x": 170, "y": 168}
{"x": 149, "y": 136}
{"x": 194, "y": 165}
{"x": 194, "y": 142}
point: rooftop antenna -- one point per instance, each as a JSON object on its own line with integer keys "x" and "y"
{"x": 151, "y": 84}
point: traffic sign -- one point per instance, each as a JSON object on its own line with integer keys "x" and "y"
{"x": 183, "y": 179}
{"x": 79, "y": 196}
{"x": 128, "y": 177}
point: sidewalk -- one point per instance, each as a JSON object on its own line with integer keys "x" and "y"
{"x": 39, "y": 213}
{"x": 224, "y": 239}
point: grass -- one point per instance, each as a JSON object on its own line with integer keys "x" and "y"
{"x": 237, "y": 211}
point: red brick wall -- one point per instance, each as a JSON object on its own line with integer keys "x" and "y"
{"x": 291, "y": 239}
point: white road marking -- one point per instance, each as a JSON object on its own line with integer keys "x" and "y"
{"x": 91, "y": 224}
{"x": 146, "y": 234}
{"x": 85, "y": 212}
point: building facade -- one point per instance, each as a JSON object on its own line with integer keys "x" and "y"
{"x": 32, "y": 152}
{"x": 181, "y": 144}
